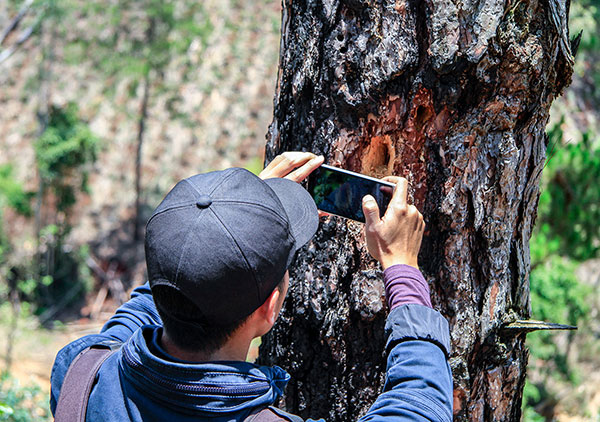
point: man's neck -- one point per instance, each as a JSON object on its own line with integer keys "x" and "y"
{"x": 235, "y": 349}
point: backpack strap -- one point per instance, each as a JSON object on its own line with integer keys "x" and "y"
{"x": 272, "y": 414}
{"x": 78, "y": 383}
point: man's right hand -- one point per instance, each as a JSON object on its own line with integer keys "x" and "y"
{"x": 396, "y": 237}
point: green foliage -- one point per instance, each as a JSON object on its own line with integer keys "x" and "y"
{"x": 136, "y": 37}
{"x": 569, "y": 208}
{"x": 22, "y": 404}
{"x": 558, "y": 294}
{"x": 255, "y": 165}
{"x": 66, "y": 146}
{"x": 12, "y": 193}
{"x": 566, "y": 234}
{"x": 585, "y": 18}
{"x": 64, "y": 152}
{"x": 529, "y": 414}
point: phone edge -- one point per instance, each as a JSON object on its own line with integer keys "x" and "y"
{"x": 355, "y": 174}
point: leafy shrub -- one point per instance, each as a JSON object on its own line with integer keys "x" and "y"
{"x": 12, "y": 193}
{"x": 569, "y": 208}
{"x": 22, "y": 404}
{"x": 567, "y": 233}
{"x": 62, "y": 153}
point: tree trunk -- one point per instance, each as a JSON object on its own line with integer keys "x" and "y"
{"x": 455, "y": 97}
{"x": 47, "y": 39}
{"x": 143, "y": 115}
{"x": 137, "y": 235}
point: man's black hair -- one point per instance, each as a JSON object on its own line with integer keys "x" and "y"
{"x": 199, "y": 337}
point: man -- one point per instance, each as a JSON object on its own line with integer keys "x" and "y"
{"x": 217, "y": 251}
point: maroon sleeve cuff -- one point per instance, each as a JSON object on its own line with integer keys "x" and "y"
{"x": 405, "y": 284}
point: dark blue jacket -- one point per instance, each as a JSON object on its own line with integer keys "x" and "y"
{"x": 140, "y": 383}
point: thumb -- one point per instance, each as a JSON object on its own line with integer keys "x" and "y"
{"x": 371, "y": 210}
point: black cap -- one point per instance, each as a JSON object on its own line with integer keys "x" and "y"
{"x": 225, "y": 239}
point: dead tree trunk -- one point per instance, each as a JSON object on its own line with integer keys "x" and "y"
{"x": 143, "y": 115}
{"x": 138, "y": 159}
{"x": 455, "y": 97}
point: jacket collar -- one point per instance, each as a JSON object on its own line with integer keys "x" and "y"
{"x": 203, "y": 388}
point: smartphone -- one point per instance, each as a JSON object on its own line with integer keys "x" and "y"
{"x": 340, "y": 192}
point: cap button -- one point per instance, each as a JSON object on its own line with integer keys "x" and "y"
{"x": 203, "y": 201}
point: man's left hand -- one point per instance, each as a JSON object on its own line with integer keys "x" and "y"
{"x": 293, "y": 165}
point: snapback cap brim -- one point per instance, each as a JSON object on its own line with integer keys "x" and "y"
{"x": 300, "y": 208}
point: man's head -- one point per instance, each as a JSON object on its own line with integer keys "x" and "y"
{"x": 207, "y": 337}
{"x": 218, "y": 246}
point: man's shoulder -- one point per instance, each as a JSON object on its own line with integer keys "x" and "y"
{"x": 65, "y": 357}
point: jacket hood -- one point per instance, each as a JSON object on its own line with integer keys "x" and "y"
{"x": 198, "y": 388}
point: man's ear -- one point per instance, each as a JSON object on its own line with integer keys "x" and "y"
{"x": 268, "y": 312}
{"x": 272, "y": 304}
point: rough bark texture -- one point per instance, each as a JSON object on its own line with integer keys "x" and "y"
{"x": 455, "y": 97}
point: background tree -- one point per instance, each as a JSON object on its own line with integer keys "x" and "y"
{"x": 455, "y": 97}
{"x": 147, "y": 36}
{"x": 64, "y": 149}
{"x": 65, "y": 152}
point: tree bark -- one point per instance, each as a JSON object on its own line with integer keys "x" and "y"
{"x": 455, "y": 97}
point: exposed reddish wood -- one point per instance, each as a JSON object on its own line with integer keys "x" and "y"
{"x": 493, "y": 295}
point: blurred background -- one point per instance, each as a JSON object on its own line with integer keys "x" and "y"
{"x": 104, "y": 105}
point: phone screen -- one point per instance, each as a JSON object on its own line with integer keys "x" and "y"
{"x": 340, "y": 192}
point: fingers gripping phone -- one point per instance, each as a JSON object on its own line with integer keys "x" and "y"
{"x": 340, "y": 192}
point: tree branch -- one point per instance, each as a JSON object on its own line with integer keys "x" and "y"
{"x": 5, "y": 54}
{"x": 14, "y": 24}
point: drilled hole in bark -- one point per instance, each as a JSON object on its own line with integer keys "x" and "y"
{"x": 340, "y": 37}
{"x": 343, "y": 50}
{"x": 378, "y": 158}
{"x": 422, "y": 115}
